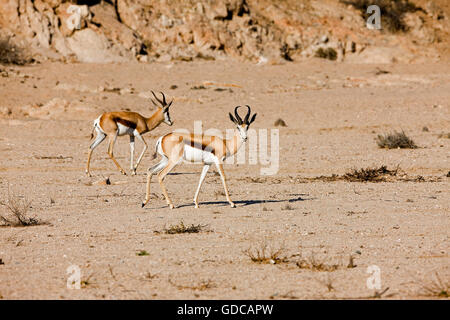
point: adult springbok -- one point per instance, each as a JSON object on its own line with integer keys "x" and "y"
{"x": 176, "y": 147}
{"x": 114, "y": 124}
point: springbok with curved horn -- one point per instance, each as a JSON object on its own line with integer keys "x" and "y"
{"x": 176, "y": 147}
{"x": 114, "y": 124}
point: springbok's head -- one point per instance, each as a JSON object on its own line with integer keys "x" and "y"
{"x": 163, "y": 109}
{"x": 242, "y": 125}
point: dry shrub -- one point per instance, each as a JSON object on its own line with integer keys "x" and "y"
{"x": 395, "y": 140}
{"x": 370, "y": 174}
{"x": 181, "y": 228}
{"x": 392, "y": 12}
{"x": 12, "y": 54}
{"x": 264, "y": 254}
{"x": 315, "y": 264}
{"x": 18, "y": 208}
{"x": 436, "y": 288}
{"x": 280, "y": 123}
{"x": 327, "y": 53}
{"x": 444, "y": 135}
{"x": 201, "y": 286}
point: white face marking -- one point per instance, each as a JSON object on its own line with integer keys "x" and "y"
{"x": 167, "y": 119}
{"x": 242, "y": 133}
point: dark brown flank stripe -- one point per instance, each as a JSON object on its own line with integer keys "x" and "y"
{"x": 126, "y": 123}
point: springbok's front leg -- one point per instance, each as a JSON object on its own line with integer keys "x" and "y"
{"x": 98, "y": 139}
{"x": 202, "y": 177}
{"x": 222, "y": 176}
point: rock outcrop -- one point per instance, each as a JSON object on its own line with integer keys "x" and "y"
{"x": 253, "y": 30}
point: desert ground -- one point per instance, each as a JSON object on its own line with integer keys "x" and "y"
{"x": 309, "y": 220}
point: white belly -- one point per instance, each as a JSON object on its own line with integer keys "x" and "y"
{"x": 196, "y": 155}
{"x": 124, "y": 130}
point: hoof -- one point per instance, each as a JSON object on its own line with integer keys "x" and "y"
{"x": 171, "y": 206}
{"x": 133, "y": 172}
{"x": 196, "y": 205}
{"x": 142, "y": 204}
{"x": 232, "y": 205}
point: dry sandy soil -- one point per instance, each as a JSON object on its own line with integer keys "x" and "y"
{"x": 333, "y": 114}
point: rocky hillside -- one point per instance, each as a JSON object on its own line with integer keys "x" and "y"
{"x": 254, "y": 30}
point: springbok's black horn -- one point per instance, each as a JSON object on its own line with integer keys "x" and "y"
{"x": 157, "y": 98}
{"x": 238, "y": 118}
{"x": 247, "y": 115}
{"x": 164, "y": 98}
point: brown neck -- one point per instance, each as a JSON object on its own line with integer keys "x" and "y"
{"x": 154, "y": 121}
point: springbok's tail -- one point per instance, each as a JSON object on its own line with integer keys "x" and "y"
{"x": 157, "y": 145}
{"x": 92, "y": 132}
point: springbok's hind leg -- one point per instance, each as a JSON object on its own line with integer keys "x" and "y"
{"x": 161, "y": 177}
{"x": 132, "y": 154}
{"x": 151, "y": 171}
{"x": 222, "y": 176}
{"x": 112, "y": 140}
{"x": 98, "y": 139}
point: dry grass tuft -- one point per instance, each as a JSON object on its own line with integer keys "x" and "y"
{"x": 18, "y": 208}
{"x": 436, "y": 288}
{"x": 280, "y": 123}
{"x": 12, "y": 54}
{"x": 315, "y": 264}
{"x": 327, "y": 53}
{"x": 327, "y": 282}
{"x": 444, "y": 135}
{"x": 370, "y": 174}
{"x": 201, "y": 286}
{"x": 264, "y": 254}
{"x": 287, "y": 207}
{"x": 395, "y": 140}
{"x": 142, "y": 253}
{"x": 182, "y": 228}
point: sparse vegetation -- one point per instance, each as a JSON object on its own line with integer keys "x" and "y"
{"x": 315, "y": 264}
{"x": 202, "y": 285}
{"x": 12, "y": 54}
{"x": 370, "y": 174}
{"x": 436, "y": 288}
{"x": 327, "y": 53}
{"x": 87, "y": 282}
{"x": 18, "y": 208}
{"x": 280, "y": 123}
{"x": 287, "y": 207}
{"x": 182, "y": 228}
{"x": 444, "y": 135}
{"x": 351, "y": 262}
{"x": 327, "y": 282}
{"x": 392, "y": 12}
{"x": 142, "y": 253}
{"x": 395, "y": 140}
{"x": 264, "y": 254}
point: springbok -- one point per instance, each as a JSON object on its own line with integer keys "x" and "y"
{"x": 114, "y": 124}
{"x": 176, "y": 147}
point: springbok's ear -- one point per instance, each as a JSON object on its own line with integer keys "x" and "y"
{"x": 252, "y": 119}
{"x": 231, "y": 117}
